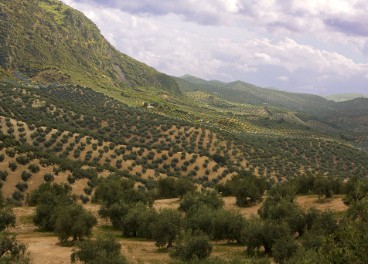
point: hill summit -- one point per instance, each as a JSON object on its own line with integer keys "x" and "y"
{"x": 48, "y": 42}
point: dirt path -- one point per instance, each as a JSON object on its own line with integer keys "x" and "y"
{"x": 42, "y": 247}
{"x": 45, "y": 250}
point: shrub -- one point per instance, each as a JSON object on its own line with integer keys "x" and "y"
{"x": 192, "y": 247}
{"x": 12, "y": 251}
{"x": 284, "y": 248}
{"x": 101, "y": 250}
{"x": 7, "y": 217}
{"x": 171, "y": 187}
{"x": 136, "y": 223}
{"x": 48, "y": 177}
{"x": 22, "y": 186}
{"x": 71, "y": 179}
{"x": 73, "y": 221}
{"x": 26, "y": 175}
{"x": 84, "y": 198}
{"x": 34, "y": 168}
{"x": 23, "y": 160}
{"x": 247, "y": 188}
{"x": 166, "y": 228}
{"x": 17, "y": 196}
{"x": 12, "y": 166}
{"x": 48, "y": 198}
{"x": 3, "y": 175}
{"x": 191, "y": 202}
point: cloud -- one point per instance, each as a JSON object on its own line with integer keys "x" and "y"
{"x": 283, "y": 78}
{"x": 205, "y": 12}
{"x": 254, "y": 41}
{"x": 355, "y": 28}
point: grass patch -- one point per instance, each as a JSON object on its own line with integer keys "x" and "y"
{"x": 26, "y": 219}
{"x": 56, "y": 9}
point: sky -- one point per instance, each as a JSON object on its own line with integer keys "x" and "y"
{"x": 309, "y": 46}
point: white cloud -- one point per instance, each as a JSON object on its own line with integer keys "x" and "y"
{"x": 243, "y": 41}
{"x": 283, "y": 78}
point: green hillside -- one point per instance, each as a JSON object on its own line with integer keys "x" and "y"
{"x": 48, "y": 42}
{"x": 284, "y": 113}
{"x": 245, "y": 93}
{"x": 54, "y": 55}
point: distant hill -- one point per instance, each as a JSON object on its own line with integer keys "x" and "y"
{"x": 347, "y": 119}
{"x": 246, "y": 93}
{"x": 345, "y": 97}
{"x": 49, "y": 42}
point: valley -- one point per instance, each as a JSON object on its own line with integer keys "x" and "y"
{"x": 104, "y": 159}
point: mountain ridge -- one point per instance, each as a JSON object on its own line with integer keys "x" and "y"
{"x": 49, "y": 42}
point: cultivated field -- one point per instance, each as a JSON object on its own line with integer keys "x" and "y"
{"x": 44, "y": 247}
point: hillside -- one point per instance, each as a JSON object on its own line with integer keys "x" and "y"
{"x": 300, "y": 114}
{"x": 45, "y": 41}
{"x": 245, "y": 93}
{"x": 76, "y": 124}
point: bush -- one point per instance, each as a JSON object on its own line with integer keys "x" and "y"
{"x": 118, "y": 190}
{"x": 201, "y": 220}
{"x": 136, "y": 223}
{"x": 21, "y": 186}
{"x": 26, "y": 175}
{"x": 166, "y": 228}
{"x": 3, "y": 175}
{"x": 247, "y": 188}
{"x": 84, "y": 199}
{"x": 71, "y": 179}
{"x": 284, "y": 248}
{"x": 48, "y": 177}
{"x": 48, "y": 198}
{"x": 192, "y": 201}
{"x": 12, "y": 251}
{"x": 12, "y": 166}
{"x": 101, "y": 250}
{"x": 227, "y": 225}
{"x": 192, "y": 247}
{"x": 73, "y": 221}
{"x": 34, "y": 168}
{"x": 23, "y": 160}
{"x": 325, "y": 187}
{"x": 258, "y": 233}
{"x": 172, "y": 188}
{"x": 17, "y": 196}
{"x": 7, "y": 217}
{"x": 355, "y": 189}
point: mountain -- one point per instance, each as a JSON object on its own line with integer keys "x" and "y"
{"x": 345, "y": 97}
{"x": 346, "y": 120}
{"x": 245, "y": 93}
{"x": 48, "y": 42}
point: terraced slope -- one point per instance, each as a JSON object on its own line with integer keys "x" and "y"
{"x": 76, "y": 124}
{"x": 301, "y": 114}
